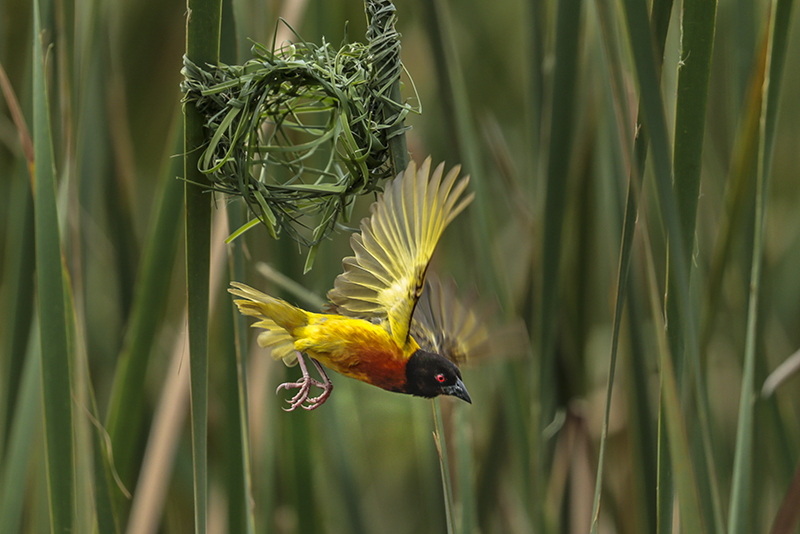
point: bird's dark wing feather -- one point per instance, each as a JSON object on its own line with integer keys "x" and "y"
{"x": 446, "y": 326}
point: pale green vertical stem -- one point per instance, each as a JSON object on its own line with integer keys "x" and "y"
{"x": 240, "y": 489}
{"x": 739, "y": 519}
{"x": 673, "y": 421}
{"x": 660, "y": 19}
{"x": 441, "y": 446}
{"x": 466, "y": 483}
{"x": 203, "y": 20}
{"x": 236, "y": 257}
{"x": 55, "y": 350}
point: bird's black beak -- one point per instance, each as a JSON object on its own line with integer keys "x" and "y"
{"x": 458, "y": 390}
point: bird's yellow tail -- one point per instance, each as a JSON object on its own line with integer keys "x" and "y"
{"x": 277, "y": 317}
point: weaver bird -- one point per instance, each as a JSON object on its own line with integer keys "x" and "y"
{"x": 389, "y": 327}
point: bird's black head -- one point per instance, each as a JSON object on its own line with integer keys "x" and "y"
{"x": 430, "y": 375}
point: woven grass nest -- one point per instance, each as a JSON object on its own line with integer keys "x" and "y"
{"x": 300, "y": 130}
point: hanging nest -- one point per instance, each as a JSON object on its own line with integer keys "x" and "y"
{"x": 300, "y": 130}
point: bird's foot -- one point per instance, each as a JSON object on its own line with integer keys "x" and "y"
{"x": 301, "y": 398}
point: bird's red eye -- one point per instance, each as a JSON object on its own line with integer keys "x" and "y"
{"x": 440, "y": 378}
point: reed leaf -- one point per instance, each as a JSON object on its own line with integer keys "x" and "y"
{"x": 386, "y": 48}
{"x": 202, "y": 47}
{"x": 739, "y": 512}
{"x": 239, "y": 481}
{"x": 444, "y": 465}
{"x": 242, "y": 486}
{"x": 18, "y": 274}
{"x": 636, "y": 164}
{"x": 25, "y": 424}
{"x": 698, "y": 22}
{"x": 55, "y": 348}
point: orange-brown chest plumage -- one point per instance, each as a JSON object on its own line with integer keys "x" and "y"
{"x": 355, "y": 348}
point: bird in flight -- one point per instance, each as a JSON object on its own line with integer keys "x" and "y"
{"x": 389, "y": 324}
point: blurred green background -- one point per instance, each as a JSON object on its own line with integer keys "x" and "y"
{"x": 537, "y": 101}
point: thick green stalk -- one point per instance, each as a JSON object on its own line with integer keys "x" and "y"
{"x": 240, "y": 485}
{"x": 243, "y": 485}
{"x": 739, "y": 519}
{"x": 697, "y": 39}
{"x": 660, "y": 19}
{"x": 55, "y": 348}
{"x": 202, "y": 47}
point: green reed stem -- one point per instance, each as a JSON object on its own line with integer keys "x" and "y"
{"x": 202, "y": 47}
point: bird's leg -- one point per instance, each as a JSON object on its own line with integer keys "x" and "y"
{"x": 327, "y": 387}
{"x": 304, "y": 386}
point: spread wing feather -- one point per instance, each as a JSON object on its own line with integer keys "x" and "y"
{"x": 386, "y": 276}
{"x": 446, "y": 326}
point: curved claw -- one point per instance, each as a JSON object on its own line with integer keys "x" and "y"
{"x": 304, "y": 386}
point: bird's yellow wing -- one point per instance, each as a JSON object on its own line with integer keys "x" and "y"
{"x": 446, "y": 326}
{"x": 386, "y": 276}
